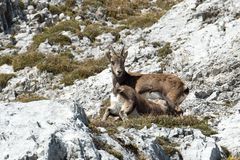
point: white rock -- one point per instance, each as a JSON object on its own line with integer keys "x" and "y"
{"x": 46, "y": 130}
{"x": 6, "y": 69}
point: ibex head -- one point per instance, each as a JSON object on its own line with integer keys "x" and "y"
{"x": 117, "y": 61}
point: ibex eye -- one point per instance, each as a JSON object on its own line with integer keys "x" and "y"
{"x": 112, "y": 62}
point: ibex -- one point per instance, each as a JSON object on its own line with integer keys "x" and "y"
{"x": 170, "y": 87}
{"x": 130, "y": 102}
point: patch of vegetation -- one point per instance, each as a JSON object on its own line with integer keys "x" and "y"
{"x": 106, "y": 147}
{"x": 57, "y": 64}
{"x": 4, "y": 78}
{"x": 93, "y": 30}
{"x": 59, "y": 39}
{"x": 156, "y": 44}
{"x": 67, "y": 54}
{"x": 54, "y": 9}
{"x": 168, "y": 147}
{"x": 55, "y": 31}
{"x": 85, "y": 69}
{"x": 167, "y": 4}
{"x": 164, "y": 51}
{"x": 161, "y": 121}
{"x": 30, "y": 59}
{"x": 106, "y": 102}
{"x": 87, "y": 4}
{"x": 29, "y": 98}
{"x": 70, "y": 3}
{"x": 66, "y": 8}
{"x": 142, "y": 21}
{"x": 6, "y": 60}
{"x": 233, "y": 158}
{"x": 21, "y": 4}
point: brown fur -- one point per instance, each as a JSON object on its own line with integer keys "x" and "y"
{"x": 132, "y": 101}
{"x": 171, "y": 87}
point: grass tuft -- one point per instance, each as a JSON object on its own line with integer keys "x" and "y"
{"x": 58, "y": 38}
{"x": 53, "y": 33}
{"x": 168, "y": 147}
{"x": 106, "y": 147}
{"x": 161, "y": 121}
{"x": 30, "y": 59}
{"x": 56, "y": 64}
{"x": 142, "y": 21}
{"x": 85, "y": 69}
{"x": 29, "y": 98}
{"x": 4, "y": 78}
{"x": 6, "y": 60}
{"x": 164, "y": 51}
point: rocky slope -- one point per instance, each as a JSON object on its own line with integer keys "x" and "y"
{"x": 203, "y": 40}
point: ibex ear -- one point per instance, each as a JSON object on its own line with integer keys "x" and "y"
{"x": 120, "y": 89}
{"x": 124, "y": 53}
{"x": 108, "y": 55}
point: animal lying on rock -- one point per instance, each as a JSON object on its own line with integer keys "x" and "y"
{"x": 129, "y": 102}
{"x": 169, "y": 86}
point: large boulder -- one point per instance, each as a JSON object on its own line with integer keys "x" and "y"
{"x": 45, "y": 130}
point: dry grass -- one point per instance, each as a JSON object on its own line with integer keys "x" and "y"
{"x": 66, "y": 8}
{"x": 6, "y": 60}
{"x": 60, "y": 64}
{"x": 58, "y": 38}
{"x": 93, "y": 30}
{"x": 57, "y": 64}
{"x": 161, "y": 121}
{"x": 29, "y": 98}
{"x": 164, "y": 51}
{"x": 168, "y": 147}
{"x": 4, "y": 78}
{"x": 85, "y": 69}
{"x": 54, "y": 32}
{"x": 30, "y": 59}
{"x": 167, "y": 4}
{"x": 106, "y": 147}
{"x": 142, "y": 21}
{"x": 233, "y": 158}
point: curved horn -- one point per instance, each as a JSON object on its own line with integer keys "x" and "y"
{"x": 122, "y": 51}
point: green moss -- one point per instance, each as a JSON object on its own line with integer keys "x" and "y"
{"x": 6, "y": 60}
{"x": 4, "y": 78}
{"x": 29, "y": 98}
{"x": 30, "y": 59}
{"x": 164, "y": 51}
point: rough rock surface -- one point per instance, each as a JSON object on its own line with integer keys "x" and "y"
{"x": 203, "y": 37}
{"x": 45, "y": 130}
